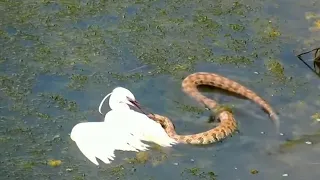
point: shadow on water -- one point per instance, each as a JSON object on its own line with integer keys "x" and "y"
{"x": 58, "y": 59}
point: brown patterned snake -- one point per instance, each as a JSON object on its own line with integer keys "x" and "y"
{"x": 227, "y": 122}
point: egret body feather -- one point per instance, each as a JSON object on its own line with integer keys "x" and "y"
{"x": 122, "y": 129}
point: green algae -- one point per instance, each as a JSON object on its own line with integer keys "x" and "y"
{"x": 254, "y": 171}
{"x": 234, "y": 60}
{"x": 276, "y": 69}
{"x": 316, "y": 116}
{"x": 117, "y": 171}
{"x": 78, "y": 81}
{"x": 237, "y": 27}
{"x": 141, "y": 158}
{"x": 191, "y": 109}
{"x": 59, "y": 101}
{"x": 54, "y": 163}
{"x": 197, "y": 172}
{"x": 29, "y": 165}
{"x": 156, "y": 156}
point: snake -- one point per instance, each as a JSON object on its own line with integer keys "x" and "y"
{"x": 227, "y": 123}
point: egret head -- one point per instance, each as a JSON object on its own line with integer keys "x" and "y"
{"x": 121, "y": 98}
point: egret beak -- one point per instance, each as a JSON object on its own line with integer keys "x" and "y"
{"x": 136, "y": 104}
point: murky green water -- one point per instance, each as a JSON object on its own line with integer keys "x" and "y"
{"x": 59, "y": 58}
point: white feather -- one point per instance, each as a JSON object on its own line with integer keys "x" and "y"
{"x": 141, "y": 126}
{"x": 101, "y": 139}
{"x": 122, "y": 129}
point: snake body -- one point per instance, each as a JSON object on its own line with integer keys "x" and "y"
{"x": 228, "y": 124}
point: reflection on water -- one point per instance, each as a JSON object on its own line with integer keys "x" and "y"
{"x": 58, "y": 59}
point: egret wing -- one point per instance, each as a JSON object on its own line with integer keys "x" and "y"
{"x": 100, "y": 140}
{"x": 146, "y": 129}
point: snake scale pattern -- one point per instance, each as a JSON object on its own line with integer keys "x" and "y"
{"x": 228, "y": 124}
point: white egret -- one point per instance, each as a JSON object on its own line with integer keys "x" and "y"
{"x": 122, "y": 129}
{"x": 139, "y": 124}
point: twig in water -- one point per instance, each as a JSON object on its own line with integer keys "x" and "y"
{"x": 138, "y": 68}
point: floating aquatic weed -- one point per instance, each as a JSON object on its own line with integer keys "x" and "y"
{"x": 196, "y": 171}
{"x": 276, "y": 69}
{"x": 254, "y": 171}
{"x": 60, "y": 101}
{"x": 28, "y": 165}
{"x": 118, "y": 171}
{"x": 54, "y": 163}
{"x": 311, "y": 15}
{"x": 142, "y": 157}
{"x": 159, "y": 160}
{"x": 316, "y": 116}
{"x": 316, "y": 26}
{"x": 78, "y": 81}
{"x": 189, "y": 108}
{"x": 237, "y": 27}
{"x": 234, "y": 60}
{"x": 145, "y": 156}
